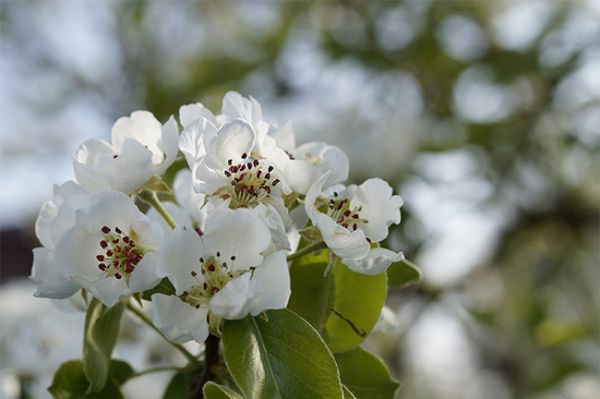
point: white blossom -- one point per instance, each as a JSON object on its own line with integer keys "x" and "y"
{"x": 111, "y": 248}
{"x": 225, "y": 273}
{"x": 356, "y": 219}
{"x": 141, "y": 148}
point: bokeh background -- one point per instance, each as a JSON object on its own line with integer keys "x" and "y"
{"x": 483, "y": 115}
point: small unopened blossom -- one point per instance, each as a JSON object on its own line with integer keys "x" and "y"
{"x": 111, "y": 248}
{"x": 225, "y": 273}
{"x": 141, "y": 148}
{"x": 354, "y": 220}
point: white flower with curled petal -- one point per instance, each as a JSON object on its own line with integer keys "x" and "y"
{"x": 110, "y": 250}
{"x": 141, "y": 148}
{"x": 356, "y": 218}
{"x": 224, "y": 273}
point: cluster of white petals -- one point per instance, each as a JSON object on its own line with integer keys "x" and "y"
{"x": 222, "y": 234}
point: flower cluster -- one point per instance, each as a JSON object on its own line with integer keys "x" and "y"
{"x": 222, "y": 236}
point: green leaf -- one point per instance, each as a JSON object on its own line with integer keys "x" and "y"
{"x": 283, "y": 357}
{"x": 403, "y": 273}
{"x": 100, "y": 336}
{"x": 164, "y": 287}
{"x": 179, "y": 386}
{"x": 70, "y": 381}
{"x": 216, "y": 391}
{"x": 343, "y": 305}
{"x": 365, "y": 375}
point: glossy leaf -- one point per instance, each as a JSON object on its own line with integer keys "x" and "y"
{"x": 281, "y": 356}
{"x": 179, "y": 386}
{"x": 70, "y": 381}
{"x": 403, "y": 273}
{"x": 216, "y": 391}
{"x": 100, "y": 336}
{"x": 164, "y": 287}
{"x": 365, "y": 375}
{"x": 342, "y": 305}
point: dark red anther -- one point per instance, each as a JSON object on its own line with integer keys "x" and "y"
{"x": 118, "y": 276}
{"x": 215, "y": 290}
{"x": 118, "y": 230}
{"x": 340, "y": 219}
{"x": 211, "y": 268}
{"x": 126, "y": 239}
{"x": 270, "y": 168}
{"x": 347, "y": 212}
{"x": 218, "y": 254}
{"x": 267, "y": 189}
{"x": 275, "y": 182}
{"x": 249, "y": 165}
{"x": 100, "y": 257}
{"x": 105, "y": 229}
{"x": 205, "y": 285}
{"x": 243, "y": 167}
{"x": 103, "y": 244}
{"x": 115, "y": 241}
{"x": 109, "y": 253}
{"x": 244, "y": 156}
{"x": 255, "y": 162}
{"x": 227, "y": 173}
{"x": 354, "y": 226}
{"x": 268, "y": 176}
{"x": 102, "y": 266}
{"x": 194, "y": 274}
{"x": 233, "y": 257}
{"x": 117, "y": 248}
{"x": 345, "y": 225}
{"x": 229, "y": 162}
{"x": 233, "y": 169}
{"x": 355, "y": 216}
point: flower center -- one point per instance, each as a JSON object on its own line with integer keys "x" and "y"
{"x": 250, "y": 183}
{"x": 214, "y": 275}
{"x": 120, "y": 254}
{"x": 344, "y": 214}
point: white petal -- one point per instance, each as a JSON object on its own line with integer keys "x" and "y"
{"x": 380, "y": 207}
{"x": 235, "y": 138}
{"x": 230, "y": 302}
{"x": 376, "y": 261}
{"x": 237, "y": 106}
{"x": 270, "y": 285}
{"x": 76, "y": 255}
{"x": 284, "y": 136}
{"x": 107, "y": 290}
{"x": 169, "y": 143}
{"x": 179, "y": 215}
{"x": 300, "y": 175}
{"x": 98, "y": 167}
{"x": 275, "y": 222}
{"x": 192, "y": 202}
{"x": 180, "y": 256}
{"x": 51, "y": 283}
{"x": 179, "y": 321}
{"x": 343, "y": 242}
{"x": 192, "y": 112}
{"x": 145, "y": 276}
{"x": 194, "y": 139}
{"x": 238, "y": 233}
{"x": 311, "y": 197}
{"x": 42, "y": 224}
{"x": 142, "y": 127}
{"x": 324, "y": 158}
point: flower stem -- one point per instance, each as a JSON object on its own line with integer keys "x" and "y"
{"x": 155, "y": 370}
{"x": 211, "y": 359}
{"x": 308, "y": 249}
{"x": 146, "y": 320}
{"x": 152, "y": 199}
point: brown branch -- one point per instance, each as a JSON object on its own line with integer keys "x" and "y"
{"x": 211, "y": 359}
